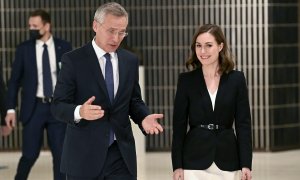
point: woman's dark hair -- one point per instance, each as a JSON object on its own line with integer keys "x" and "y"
{"x": 225, "y": 57}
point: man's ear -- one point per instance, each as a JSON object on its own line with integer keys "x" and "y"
{"x": 95, "y": 26}
{"x": 47, "y": 26}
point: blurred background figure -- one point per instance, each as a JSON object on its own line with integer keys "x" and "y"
{"x": 35, "y": 70}
{"x": 5, "y": 130}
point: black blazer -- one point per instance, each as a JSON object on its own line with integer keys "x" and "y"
{"x": 198, "y": 148}
{"x": 86, "y": 143}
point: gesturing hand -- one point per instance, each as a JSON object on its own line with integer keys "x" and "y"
{"x": 91, "y": 112}
{"x": 151, "y": 125}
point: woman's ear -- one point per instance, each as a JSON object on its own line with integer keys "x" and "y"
{"x": 221, "y": 47}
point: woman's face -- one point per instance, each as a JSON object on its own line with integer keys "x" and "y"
{"x": 207, "y": 49}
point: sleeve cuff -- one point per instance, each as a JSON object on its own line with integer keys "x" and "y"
{"x": 77, "y": 116}
{"x": 11, "y": 111}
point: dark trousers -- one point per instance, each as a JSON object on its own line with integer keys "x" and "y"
{"x": 32, "y": 133}
{"x": 114, "y": 167}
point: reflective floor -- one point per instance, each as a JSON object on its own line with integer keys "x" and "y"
{"x": 157, "y": 166}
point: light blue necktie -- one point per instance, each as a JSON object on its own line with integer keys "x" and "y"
{"x": 109, "y": 80}
{"x": 47, "y": 80}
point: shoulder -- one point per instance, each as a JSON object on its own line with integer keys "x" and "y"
{"x": 58, "y": 40}
{"x": 61, "y": 42}
{"x": 78, "y": 52}
{"x": 123, "y": 53}
{"x": 190, "y": 74}
{"x": 127, "y": 57}
{"x": 26, "y": 43}
{"x": 236, "y": 76}
{"x": 187, "y": 79}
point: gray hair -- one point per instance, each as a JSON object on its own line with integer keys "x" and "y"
{"x": 112, "y": 8}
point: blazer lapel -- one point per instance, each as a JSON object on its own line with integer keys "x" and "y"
{"x": 92, "y": 60}
{"x": 58, "y": 54}
{"x": 32, "y": 58}
{"x": 123, "y": 70}
{"x": 220, "y": 92}
{"x": 204, "y": 92}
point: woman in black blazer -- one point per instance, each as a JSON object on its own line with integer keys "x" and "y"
{"x": 209, "y": 100}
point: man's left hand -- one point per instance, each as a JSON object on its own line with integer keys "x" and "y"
{"x": 150, "y": 124}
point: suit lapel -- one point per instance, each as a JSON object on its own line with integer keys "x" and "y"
{"x": 204, "y": 92}
{"x": 220, "y": 92}
{"x": 123, "y": 70}
{"x": 58, "y": 54}
{"x": 32, "y": 59}
{"x": 94, "y": 66}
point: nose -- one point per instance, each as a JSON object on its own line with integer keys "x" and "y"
{"x": 202, "y": 50}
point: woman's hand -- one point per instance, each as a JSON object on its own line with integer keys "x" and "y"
{"x": 246, "y": 174}
{"x": 178, "y": 174}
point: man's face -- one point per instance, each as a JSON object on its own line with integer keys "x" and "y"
{"x": 110, "y": 33}
{"x": 36, "y": 23}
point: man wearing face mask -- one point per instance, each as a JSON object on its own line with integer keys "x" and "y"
{"x": 35, "y": 70}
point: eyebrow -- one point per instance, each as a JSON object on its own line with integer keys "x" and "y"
{"x": 205, "y": 43}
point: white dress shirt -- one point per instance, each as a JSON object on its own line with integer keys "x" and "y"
{"x": 52, "y": 58}
{"x": 102, "y": 61}
{"x": 213, "y": 98}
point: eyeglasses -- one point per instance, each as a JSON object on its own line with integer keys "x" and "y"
{"x": 113, "y": 32}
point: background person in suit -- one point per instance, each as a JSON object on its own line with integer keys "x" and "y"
{"x": 96, "y": 92}
{"x": 35, "y": 69}
{"x": 209, "y": 99}
{"x": 5, "y": 130}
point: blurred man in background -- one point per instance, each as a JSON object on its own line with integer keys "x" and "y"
{"x": 35, "y": 69}
{"x": 4, "y": 130}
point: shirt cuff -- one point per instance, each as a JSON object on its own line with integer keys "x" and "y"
{"x": 11, "y": 111}
{"x": 77, "y": 116}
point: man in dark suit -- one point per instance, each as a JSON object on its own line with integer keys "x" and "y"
{"x": 35, "y": 69}
{"x": 4, "y": 131}
{"x": 96, "y": 92}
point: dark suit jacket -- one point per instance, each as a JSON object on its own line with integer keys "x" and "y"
{"x": 2, "y": 100}
{"x": 198, "y": 148}
{"x": 86, "y": 143}
{"x": 24, "y": 74}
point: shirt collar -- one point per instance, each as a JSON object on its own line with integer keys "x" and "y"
{"x": 49, "y": 42}
{"x": 100, "y": 52}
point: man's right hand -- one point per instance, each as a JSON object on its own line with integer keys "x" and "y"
{"x": 10, "y": 120}
{"x": 5, "y": 130}
{"x": 91, "y": 112}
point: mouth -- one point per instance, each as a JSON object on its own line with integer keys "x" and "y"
{"x": 113, "y": 45}
{"x": 204, "y": 57}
